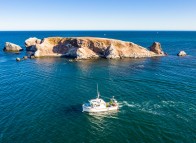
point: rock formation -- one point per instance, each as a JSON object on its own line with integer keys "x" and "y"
{"x": 31, "y": 42}
{"x": 32, "y": 57}
{"x": 88, "y": 48}
{"x": 182, "y": 53}
{"x": 18, "y": 59}
{"x": 156, "y": 48}
{"x": 25, "y": 58}
{"x": 12, "y": 47}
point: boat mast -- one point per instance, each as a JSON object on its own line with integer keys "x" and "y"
{"x": 97, "y": 92}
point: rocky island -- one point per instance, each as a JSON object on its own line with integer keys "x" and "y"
{"x": 10, "y": 47}
{"x": 90, "y": 48}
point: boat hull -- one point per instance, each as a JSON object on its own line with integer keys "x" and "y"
{"x": 90, "y": 109}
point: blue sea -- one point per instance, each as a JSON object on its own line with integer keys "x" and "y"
{"x": 41, "y": 99}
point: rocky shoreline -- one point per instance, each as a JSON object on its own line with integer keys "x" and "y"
{"x": 90, "y": 48}
{"x": 81, "y": 48}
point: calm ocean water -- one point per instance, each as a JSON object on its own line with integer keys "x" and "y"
{"x": 40, "y": 99}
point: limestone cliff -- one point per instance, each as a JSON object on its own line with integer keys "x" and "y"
{"x": 88, "y": 48}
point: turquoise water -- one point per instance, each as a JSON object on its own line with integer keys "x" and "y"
{"x": 40, "y": 99}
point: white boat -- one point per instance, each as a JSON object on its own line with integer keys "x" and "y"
{"x": 99, "y": 105}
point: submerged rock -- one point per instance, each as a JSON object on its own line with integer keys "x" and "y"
{"x": 89, "y": 48}
{"x": 156, "y": 48}
{"x": 31, "y": 42}
{"x": 182, "y": 53}
{"x": 12, "y": 47}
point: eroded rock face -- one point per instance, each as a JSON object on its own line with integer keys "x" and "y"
{"x": 12, "y": 47}
{"x": 182, "y": 53}
{"x": 156, "y": 48}
{"x": 31, "y": 42}
{"x": 88, "y": 48}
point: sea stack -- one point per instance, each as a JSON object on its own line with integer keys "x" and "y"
{"x": 10, "y": 47}
{"x": 90, "y": 48}
{"x": 156, "y": 48}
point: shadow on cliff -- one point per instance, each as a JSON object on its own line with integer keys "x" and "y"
{"x": 68, "y": 48}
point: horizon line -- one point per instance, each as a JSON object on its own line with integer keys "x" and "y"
{"x": 94, "y": 30}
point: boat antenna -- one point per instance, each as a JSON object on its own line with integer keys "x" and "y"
{"x": 97, "y": 91}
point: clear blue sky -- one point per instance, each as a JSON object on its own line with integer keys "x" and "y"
{"x": 97, "y": 14}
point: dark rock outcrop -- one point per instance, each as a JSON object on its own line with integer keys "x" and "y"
{"x": 156, "y": 48}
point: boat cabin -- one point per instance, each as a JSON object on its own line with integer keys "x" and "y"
{"x": 97, "y": 103}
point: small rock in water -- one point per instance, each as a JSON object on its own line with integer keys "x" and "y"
{"x": 18, "y": 59}
{"x": 32, "y": 57}
{"x": 182, "y": 53}
{"x": 25, "y": 57}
